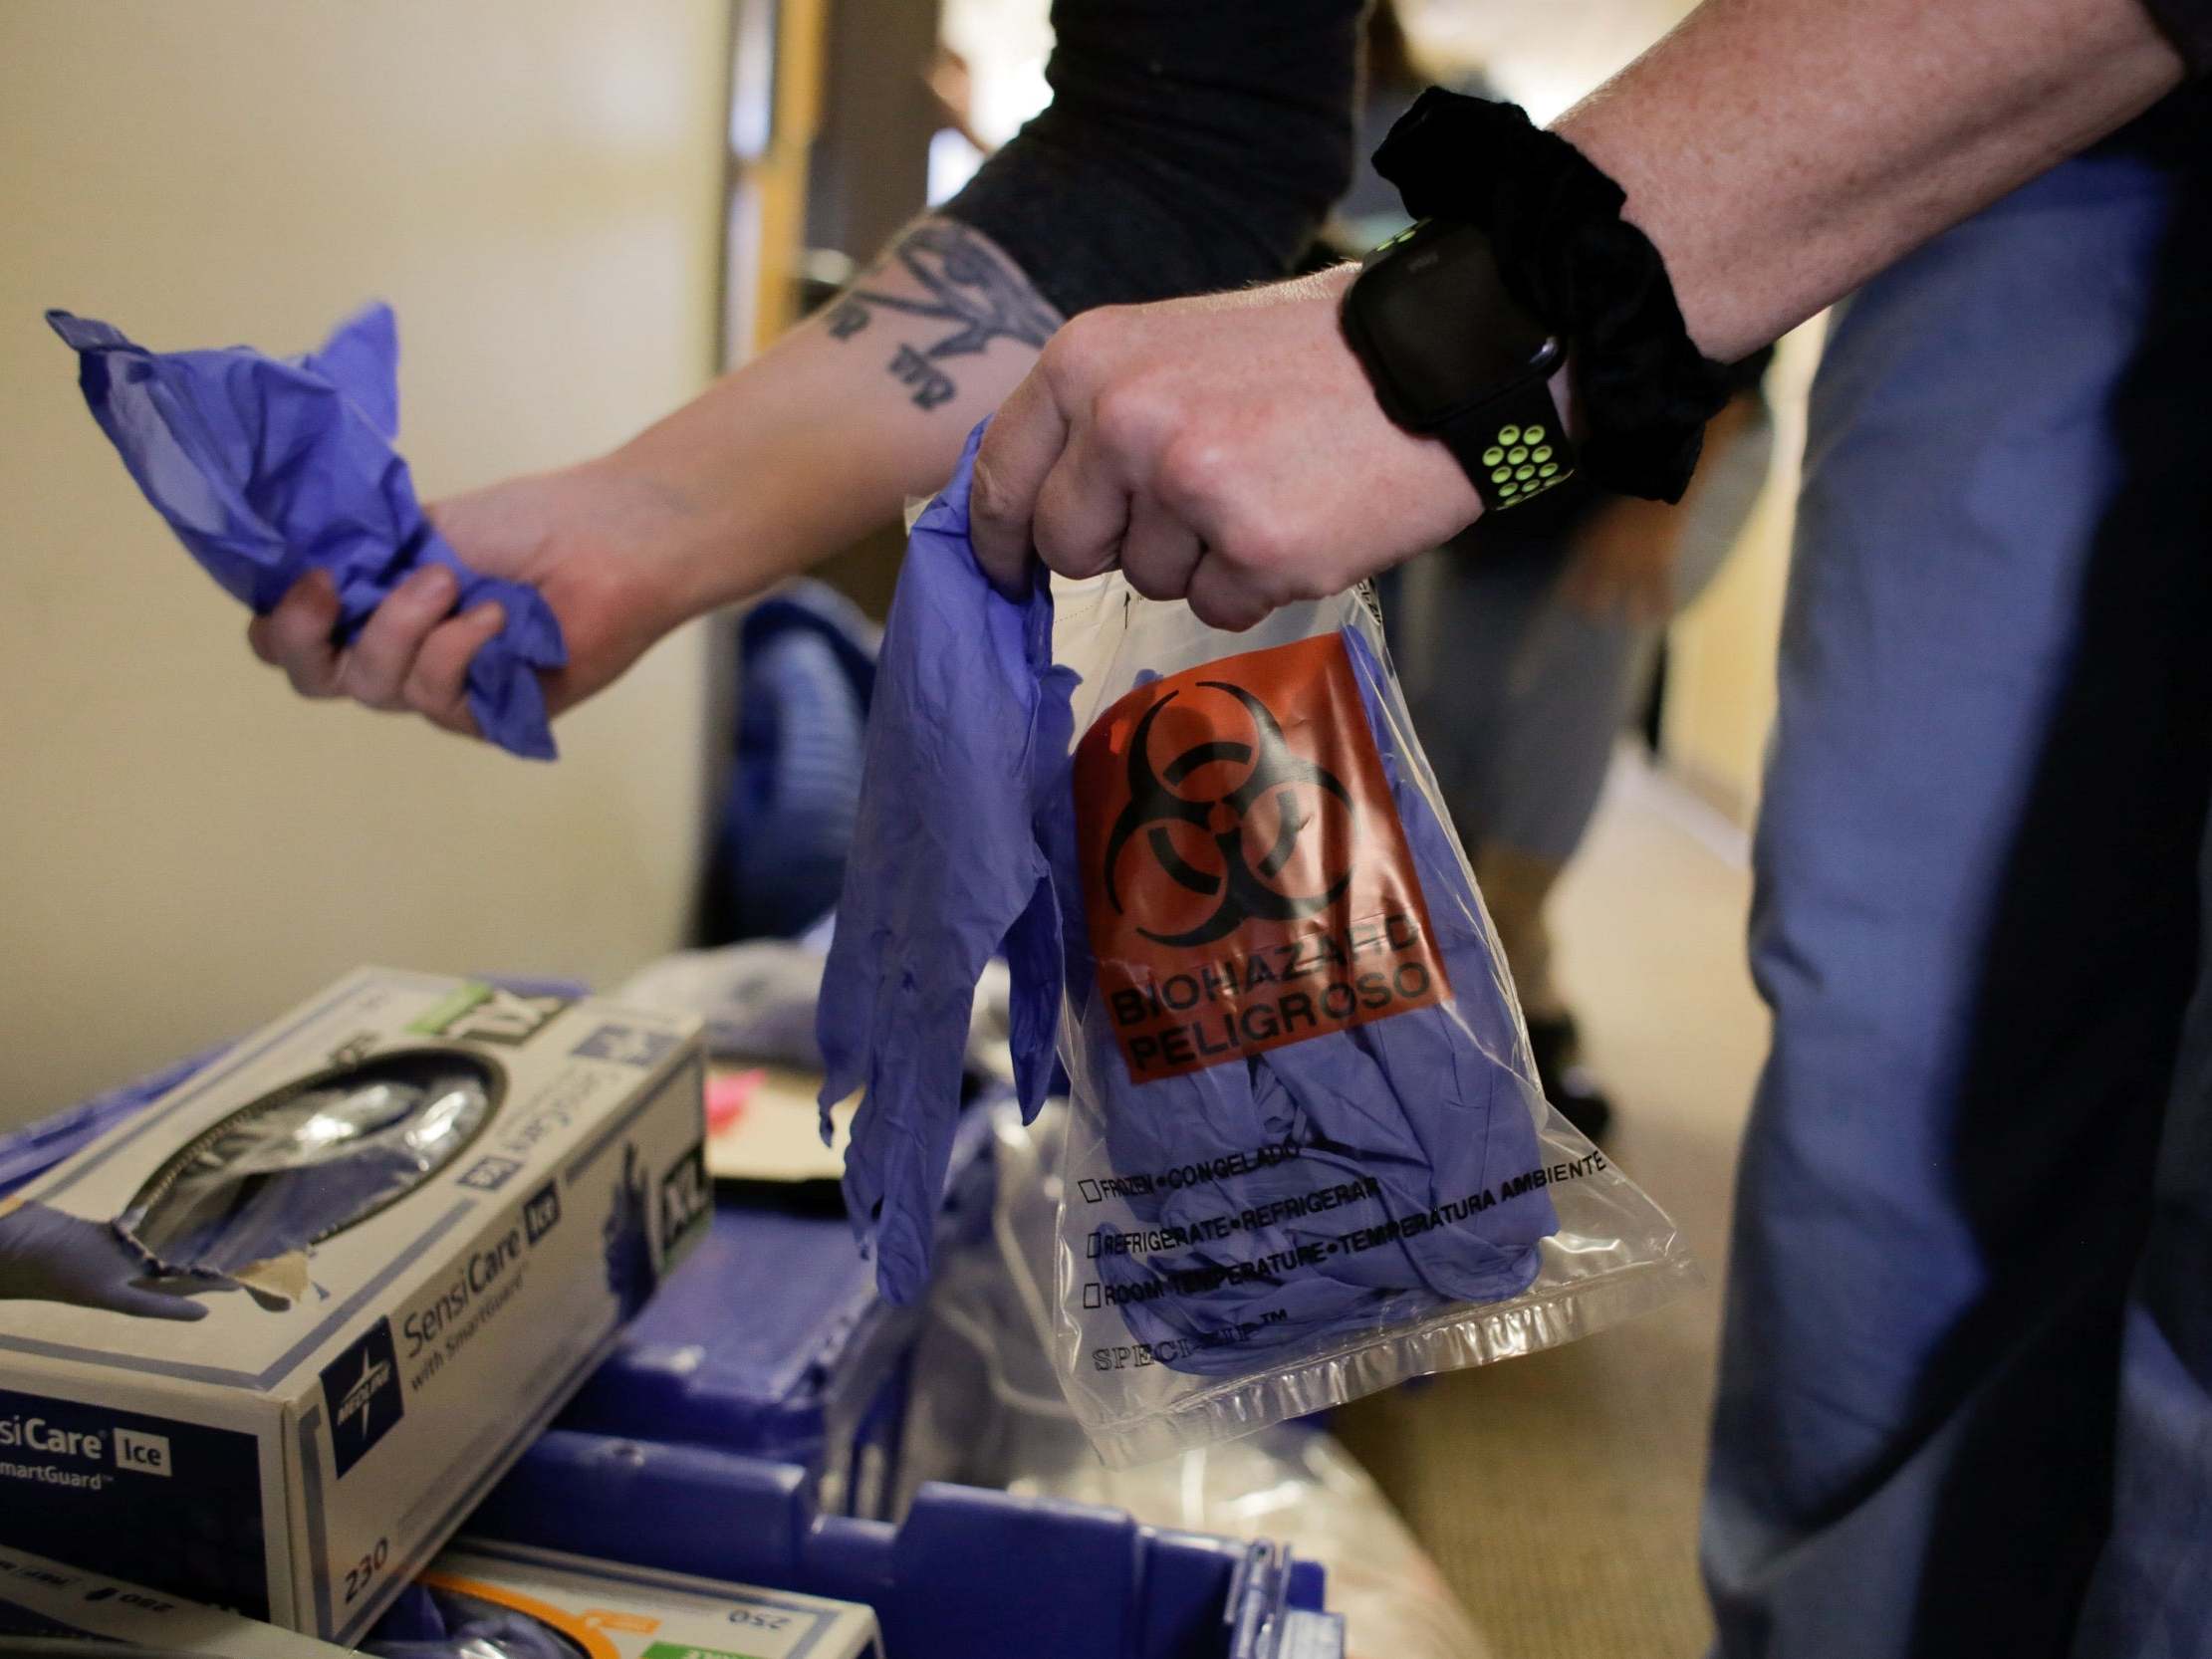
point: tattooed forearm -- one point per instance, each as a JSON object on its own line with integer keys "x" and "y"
{"x": 966, "y": 295}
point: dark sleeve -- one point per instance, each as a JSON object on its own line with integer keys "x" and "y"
{"x": 2188, "y": 24}
{"x": 1747, "y": 374}
{"x": 1191, "y": 146}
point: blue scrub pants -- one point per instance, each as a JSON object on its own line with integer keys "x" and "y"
{"x": 1965, "y": 1401}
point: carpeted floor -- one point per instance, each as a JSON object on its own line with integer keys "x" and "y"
{"x": 1558, "y": 1493}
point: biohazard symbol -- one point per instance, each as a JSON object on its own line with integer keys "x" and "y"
{"x": 1243, "y": 883}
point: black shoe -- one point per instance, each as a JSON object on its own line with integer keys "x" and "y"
{"x": 1566, "y": 1082}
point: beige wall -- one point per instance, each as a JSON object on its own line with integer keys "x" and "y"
{"x": 184, "y": 848}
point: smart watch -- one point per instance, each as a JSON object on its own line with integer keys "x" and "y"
{"x": 1452, "y": 356}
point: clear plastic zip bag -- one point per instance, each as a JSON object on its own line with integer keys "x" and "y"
{"x": 1306, "y": 1155}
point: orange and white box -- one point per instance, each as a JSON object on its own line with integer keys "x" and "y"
{"x": 607, "y": 1610}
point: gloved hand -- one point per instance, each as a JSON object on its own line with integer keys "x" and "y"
{"x": 269, "y": 469}
{"x": 47, "y": 1256}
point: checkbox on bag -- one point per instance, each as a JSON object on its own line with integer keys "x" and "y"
{"x": 1092, "y": 1296}
{"x": 1090, "y": 1193}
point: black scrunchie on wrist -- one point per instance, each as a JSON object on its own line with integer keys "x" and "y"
{"x": 1642, "y": 390}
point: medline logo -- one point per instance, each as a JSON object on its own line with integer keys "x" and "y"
{"x": 361, "y": 1388}
{"x": 374, "y": 1375}
{"x": 149, "y": 1454}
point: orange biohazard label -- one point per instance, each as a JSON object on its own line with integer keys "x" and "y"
{"x": 1246, "y": 879}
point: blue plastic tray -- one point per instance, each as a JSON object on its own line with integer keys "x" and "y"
{"x": 772, "y": 1341}
{"x": 968, "y": 1574}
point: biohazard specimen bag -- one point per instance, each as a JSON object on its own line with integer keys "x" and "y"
{"x": 1307, "y": 1156}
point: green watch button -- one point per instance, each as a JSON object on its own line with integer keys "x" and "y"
{"x": 1492, "y": 456}
{"x": 1533, "y": 434}
{"x": 1542, "y": 452}
{"x": 1509, "y": 434}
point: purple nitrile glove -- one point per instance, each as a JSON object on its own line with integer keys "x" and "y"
{"x": 945, "y": 873}
{"x": 268, "y": 468}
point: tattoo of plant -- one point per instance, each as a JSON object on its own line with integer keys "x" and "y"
{"x": 967, "y": 287}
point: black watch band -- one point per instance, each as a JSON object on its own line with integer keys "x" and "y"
{"x": 1452, "y": 354}
{"x": 1510, "y": 446}
{"x": 1553, "y": 223}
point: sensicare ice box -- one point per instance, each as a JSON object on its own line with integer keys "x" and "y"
{"x": 266, "y": 1343}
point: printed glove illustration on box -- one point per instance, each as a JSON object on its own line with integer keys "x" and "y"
{"x": 45, "y": 1256}
{"x": 240, "y": 1207}
{"x": 1307, "y": 1156}
{"x": 268, "y": 468}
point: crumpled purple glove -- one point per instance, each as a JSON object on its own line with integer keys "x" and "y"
{"x": 268, "y": 468}
{"x": 966, "y": 735}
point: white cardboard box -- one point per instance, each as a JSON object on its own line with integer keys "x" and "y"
{"x": 615, "y": 1611}
{"x": 298, "y": 1452}
{"x": 39, "y": 1598}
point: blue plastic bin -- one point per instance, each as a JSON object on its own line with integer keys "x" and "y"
{"x": 968, "y": 1574}
{"x": 772, "y": 1343}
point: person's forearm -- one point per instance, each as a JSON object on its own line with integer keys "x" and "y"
{"x": 821, "y": 437}
{"x": 1182, "y": 153}
{"x": 1778, "y": 152}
